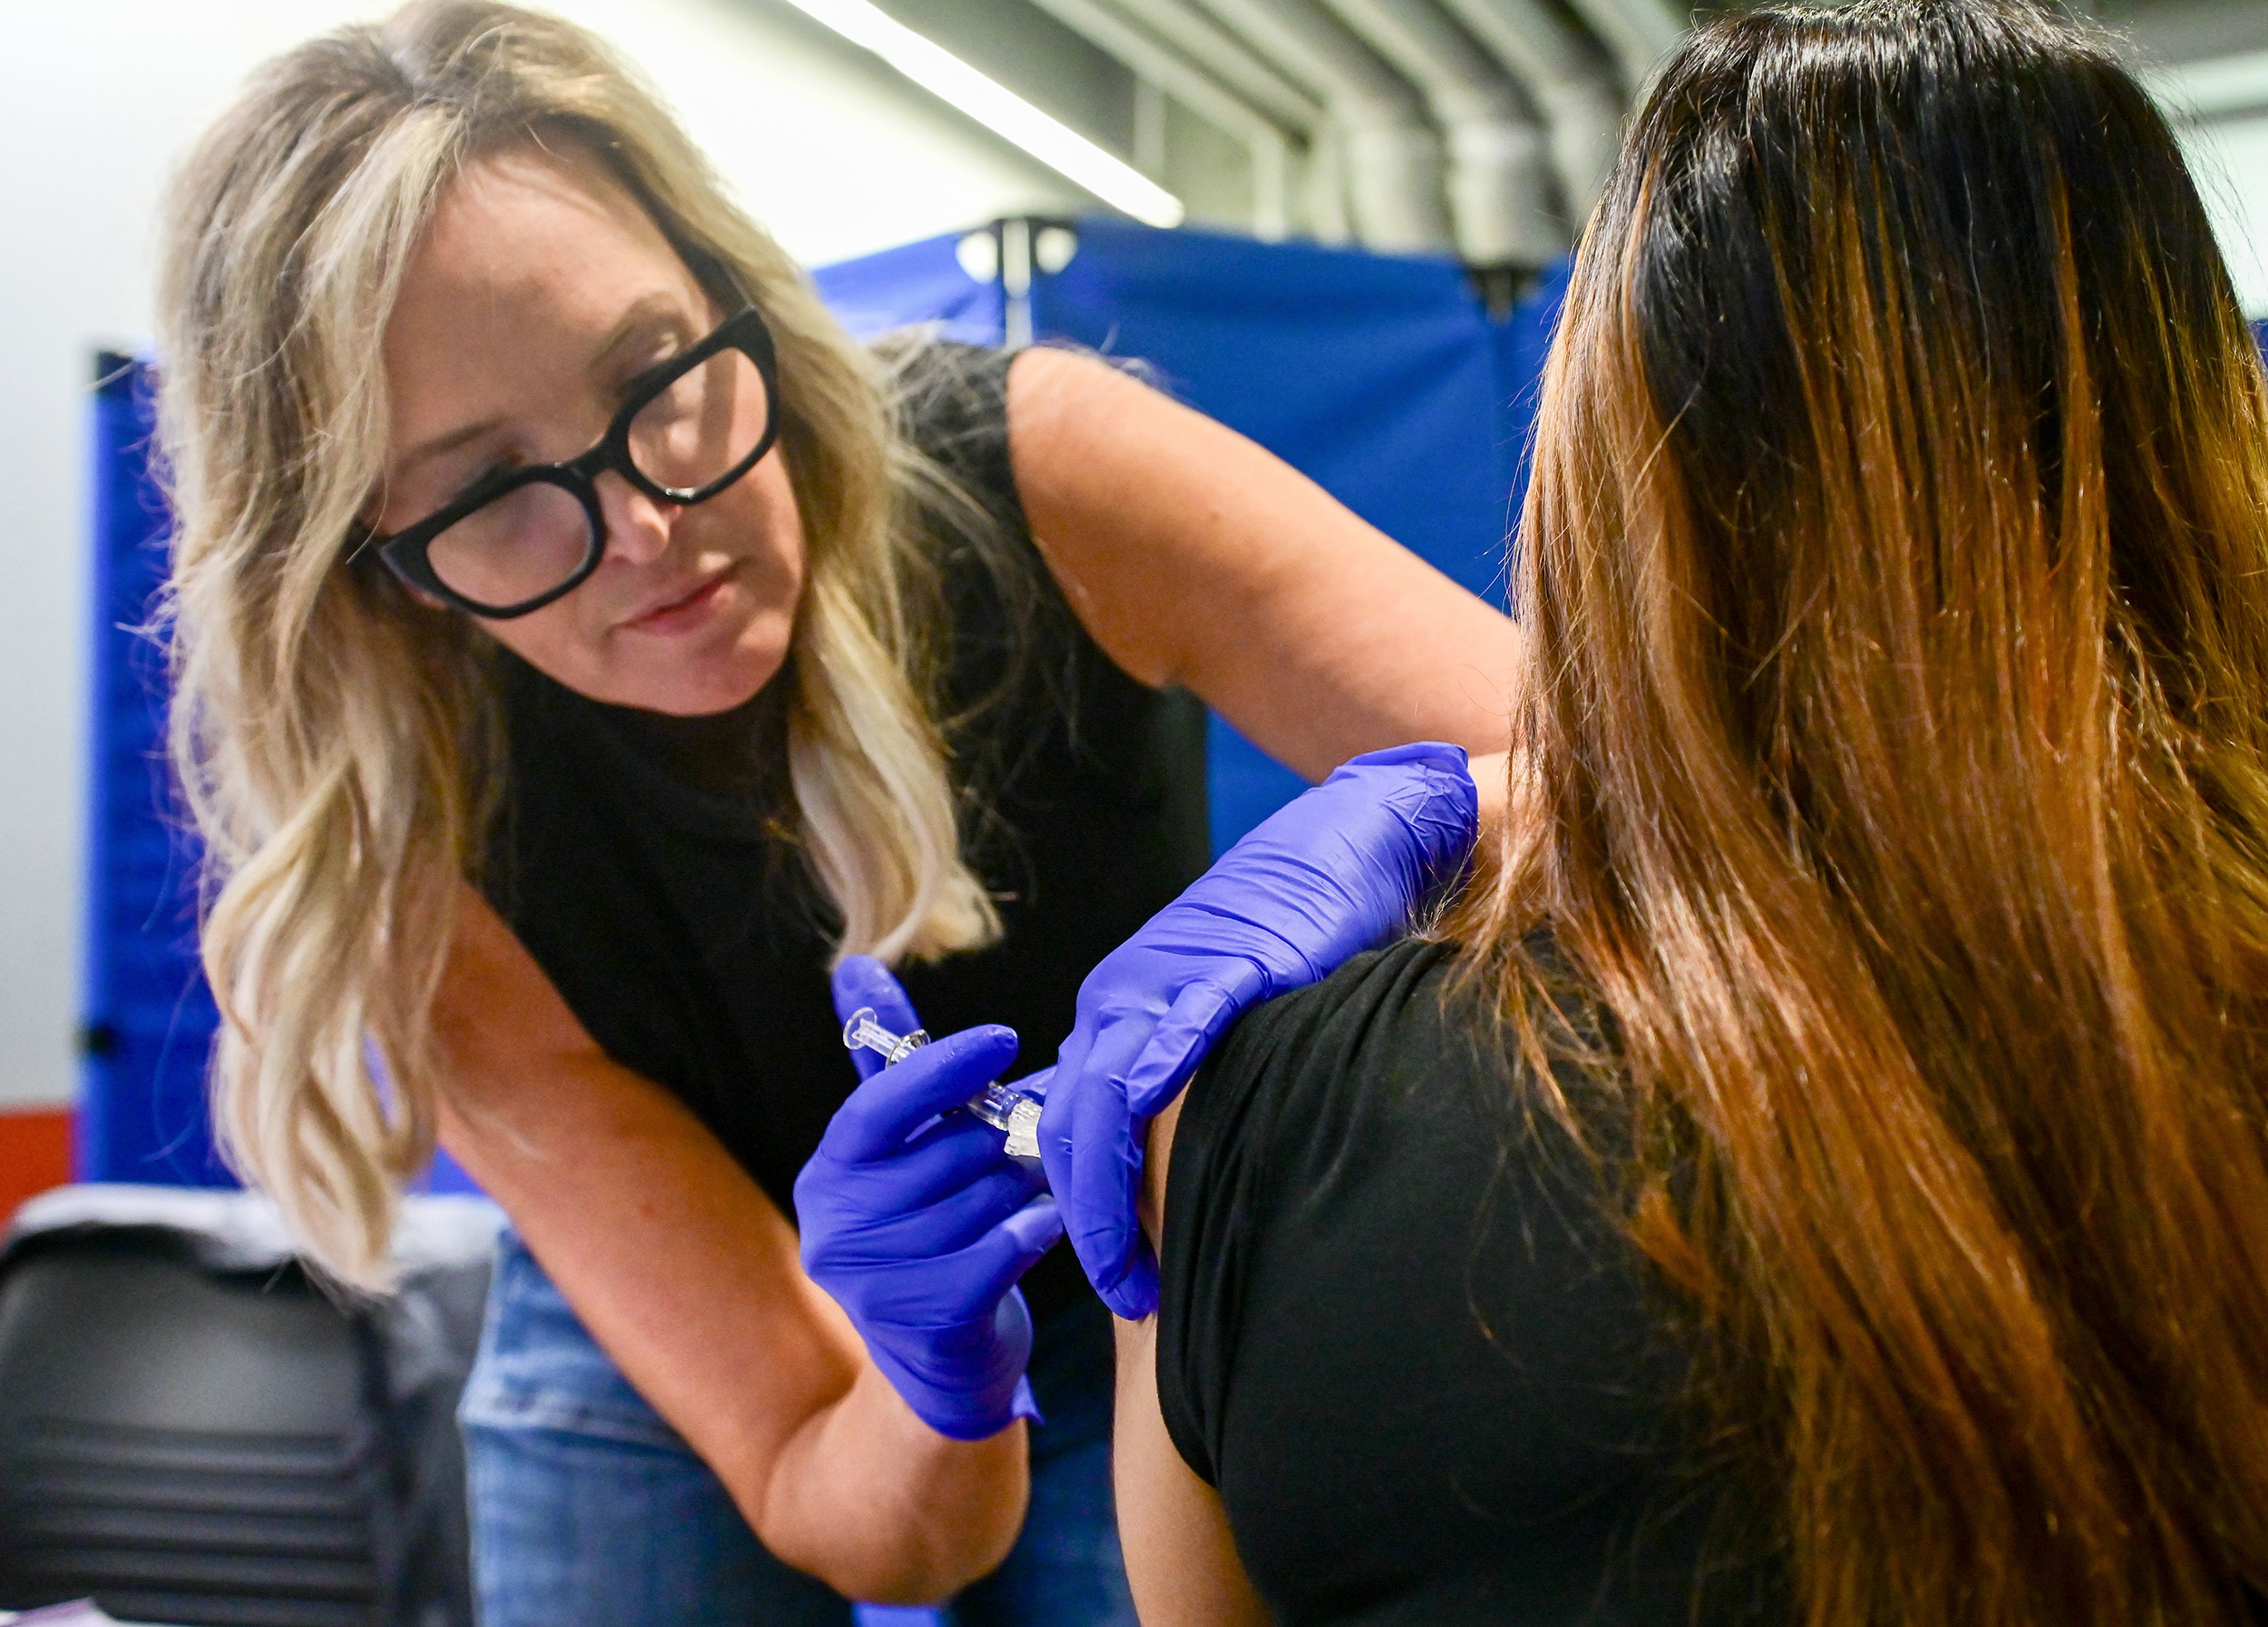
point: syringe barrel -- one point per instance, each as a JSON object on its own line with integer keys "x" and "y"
{"x": 1015, "y": 1114}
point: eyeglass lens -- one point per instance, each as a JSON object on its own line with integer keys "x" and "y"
{"x": 519, "y": 546}
{"x": 531, "y": 539}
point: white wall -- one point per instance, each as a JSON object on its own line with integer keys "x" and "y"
{"x": 2219, "y": 107}
{"x": 2230, "y": 159}
{"x": 829, "y": 148}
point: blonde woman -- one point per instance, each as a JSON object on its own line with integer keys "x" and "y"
{"x": 581, "y": 646}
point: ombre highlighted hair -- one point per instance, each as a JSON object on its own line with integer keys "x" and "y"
{"x": 1895, "y": 728}
{"x": 339, "y": 744}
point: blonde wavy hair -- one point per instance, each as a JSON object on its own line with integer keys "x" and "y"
{"x": 339, "y": 745}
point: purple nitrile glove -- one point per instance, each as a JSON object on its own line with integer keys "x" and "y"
{"x": 918, "y": 1224}
{"x": 1341, "y": 870}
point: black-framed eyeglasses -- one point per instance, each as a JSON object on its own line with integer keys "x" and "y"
{"x": 519, "y": 538}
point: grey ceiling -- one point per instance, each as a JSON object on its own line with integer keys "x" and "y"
{"x": 1477, "y": 126}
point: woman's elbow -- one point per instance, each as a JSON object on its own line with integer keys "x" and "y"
{"x": 907, "y": 1546}
{"x": 921, "y": 1568}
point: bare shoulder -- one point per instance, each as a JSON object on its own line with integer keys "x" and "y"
{"x": 1046, "y": 375}
{"x": 1081, "y": 429}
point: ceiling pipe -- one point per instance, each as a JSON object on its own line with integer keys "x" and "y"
{"x": 1641, "y": 33}
{"x": 1154, "y": 63}
{"x": 1392, "y": 154}
{"x": 1181, "y": 26}
{"x": 1571, "y": 80}
{"x": 1499, "y": 180}
{"x": 1322, "y": 181}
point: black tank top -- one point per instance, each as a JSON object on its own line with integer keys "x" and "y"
{"x": 686, "y": 933}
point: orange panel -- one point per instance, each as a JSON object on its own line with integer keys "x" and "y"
{"x": 35, "y": 1154}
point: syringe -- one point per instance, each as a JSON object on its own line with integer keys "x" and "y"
{"x": 1015, "y": 1114}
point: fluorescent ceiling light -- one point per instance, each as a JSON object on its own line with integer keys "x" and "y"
{"x": 999, "y": 109}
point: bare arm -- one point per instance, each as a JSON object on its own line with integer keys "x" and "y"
{"x": 1181, "y": 1559}
{"x": 689, "y": 1277}
{"x": 1194, "y": 557}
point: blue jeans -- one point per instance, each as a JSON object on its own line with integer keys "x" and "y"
{"x": 589, "y": 1511}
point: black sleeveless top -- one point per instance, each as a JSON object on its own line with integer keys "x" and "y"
{"x": 686, "y": 932}
{"x": 1402, "y": 1333}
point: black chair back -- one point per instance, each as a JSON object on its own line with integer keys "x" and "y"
{"x": 191, "y": 1435}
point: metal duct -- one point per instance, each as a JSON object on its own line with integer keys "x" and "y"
{"x": 1238, "y": 66}
{"x": 1499, "y": 180}
{"x": 1155, "y": 64}
{"x": 1329, "y": 220}
{"x": 1393, "y": 155}
{"x": 1180, "y": 25}
{"x": 1641, "y": 33}
{"x": 1571, "y": 80}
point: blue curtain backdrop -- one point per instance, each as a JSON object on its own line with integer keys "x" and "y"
{"x": 148, "y": 1019}
{"x": 919, "y": 282}
{"x": 1383, "y": 379}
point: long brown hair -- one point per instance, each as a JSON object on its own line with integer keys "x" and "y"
{"x": 1896, "y": 581}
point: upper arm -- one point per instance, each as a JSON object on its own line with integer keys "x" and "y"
{"x": 1194, "y": 557}
{"x": 1181, "y": 1562}
{"x": 679, "y": 1265}
{"x": 1180, "y": 1558}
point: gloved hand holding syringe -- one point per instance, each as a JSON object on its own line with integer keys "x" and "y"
{"x": 911, "y": 1220}
{"x": 1015, "y": 1113}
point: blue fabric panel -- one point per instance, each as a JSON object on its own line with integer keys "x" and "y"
{"x": 916, "y": 283}
{"x": 1523, "y": 343}
{"x": 1381, "y": 378}
{"x": 1374, "y": 375}
{"x": 148, "y": 1020}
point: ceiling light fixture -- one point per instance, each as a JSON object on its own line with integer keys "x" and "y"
{"x": 998, "y": 108}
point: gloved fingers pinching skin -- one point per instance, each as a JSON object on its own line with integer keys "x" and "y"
{"x": 1105, "y": 1193}
{"x": 1106, "y": 1187}
{"x": 1341, "y": 870}
{"x": 1091, "y": 1145}
{"x": 1199, "y": 1015}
